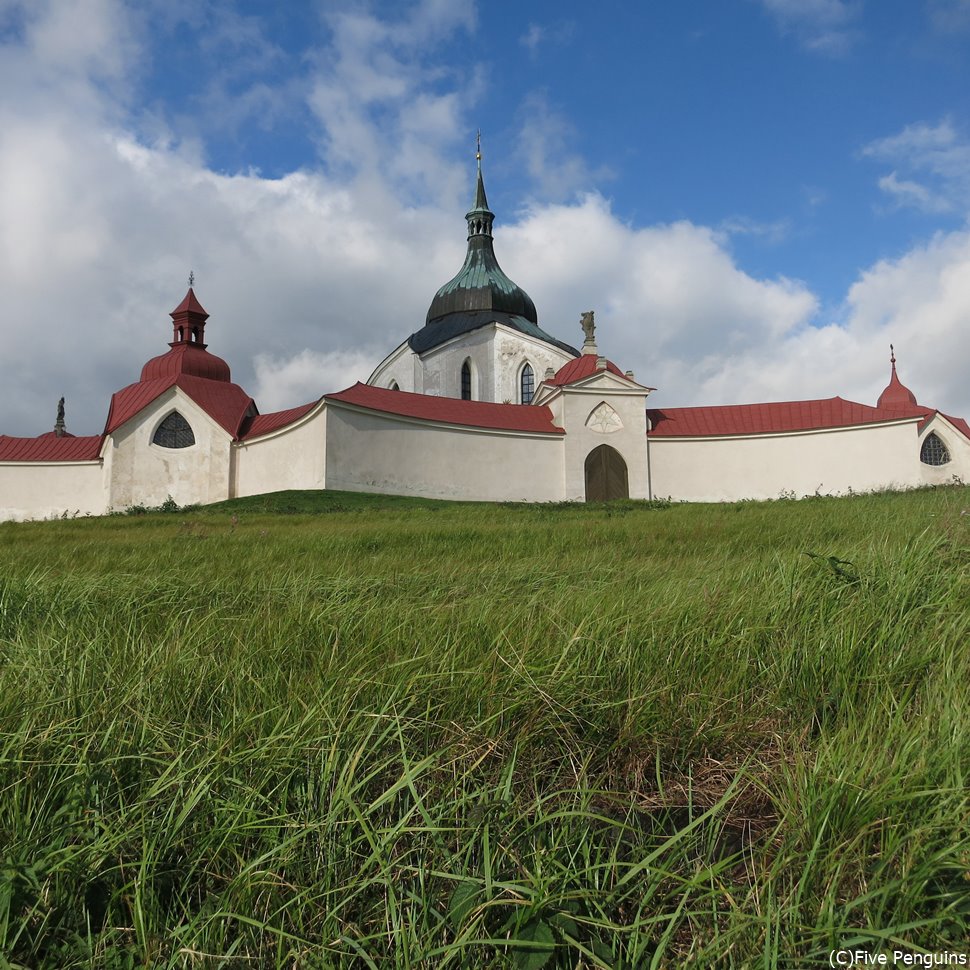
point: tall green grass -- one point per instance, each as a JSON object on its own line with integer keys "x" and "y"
{"x": 325, "y": 730}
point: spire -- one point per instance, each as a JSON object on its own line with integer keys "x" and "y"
{"x": 188, "y": 319}
{"x": 896, "y": 396}
{"x": 480, "y": 217}
{"x": 481, "y": 202}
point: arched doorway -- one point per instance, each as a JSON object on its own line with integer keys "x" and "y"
{"x": 606, "y": 477}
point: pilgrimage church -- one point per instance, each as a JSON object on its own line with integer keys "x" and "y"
{"x": 480, "y": 403}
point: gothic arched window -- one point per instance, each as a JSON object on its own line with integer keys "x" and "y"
{"x": 933, "y": 451}
{"x": 466, "y": 381}
{"x": 174, "y": 432}
{"x": 527, "y": 384}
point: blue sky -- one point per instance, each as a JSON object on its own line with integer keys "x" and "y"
{"x": 756, "y": 196}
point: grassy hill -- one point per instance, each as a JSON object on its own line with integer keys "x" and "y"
{"x": 325, "y": 729}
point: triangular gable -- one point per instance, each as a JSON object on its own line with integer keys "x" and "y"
{"x": 227, "y": 404}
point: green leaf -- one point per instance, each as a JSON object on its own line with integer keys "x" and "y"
{"x": 537, "y": 935}
{"x": 463, "y": 900}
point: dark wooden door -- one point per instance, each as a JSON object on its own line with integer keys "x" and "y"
{"x": 606, "y": 477}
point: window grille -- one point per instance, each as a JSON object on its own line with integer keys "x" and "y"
{"x": 933, "y": 451}
{"x": 174, "y": 432}
{"x": 528, "y": 384}
{"x": 466, "y": 381}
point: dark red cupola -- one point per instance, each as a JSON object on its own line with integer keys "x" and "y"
{"x": 188, "y": 354}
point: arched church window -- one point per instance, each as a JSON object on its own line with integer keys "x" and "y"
{"x": 174, "y": 432}
{"x": 466, "y": 381}
{"x": 933, "y": 452}
{"x": 527, "y": 384}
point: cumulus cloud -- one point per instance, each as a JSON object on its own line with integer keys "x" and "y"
{"x": 919, "y": 301}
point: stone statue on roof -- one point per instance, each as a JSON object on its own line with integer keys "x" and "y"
{"x": 589, "y": 327}
{"x": 59, "y": 423}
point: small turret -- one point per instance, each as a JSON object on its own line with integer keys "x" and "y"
{"x": 896, "y": 396}
{"x": 188, "y": 319}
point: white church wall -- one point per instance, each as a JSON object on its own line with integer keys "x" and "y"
{"x": 831, "y": 462}
{"x": 958, "y": 467}
{"x": 398, "y": 368}
{"x": 373, "y": 452}
{"x": 141, "y": 473}
{"x": 510, "y": 351}
{"x": 441, "y": 366}
{"x": 292, "y": 457}
{"x": 48, "y": 490}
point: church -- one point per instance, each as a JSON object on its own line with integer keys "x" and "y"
{"x": 480, "y": 403}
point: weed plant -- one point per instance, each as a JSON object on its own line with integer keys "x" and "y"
{"x": 377, "y": 732}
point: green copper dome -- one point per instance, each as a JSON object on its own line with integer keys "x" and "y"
{"x": 481, "y": 294}
{"x": 480, "y": 283}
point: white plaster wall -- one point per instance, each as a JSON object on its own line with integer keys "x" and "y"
{"x": 46, "y": 490}
{"x": 397, "y": 368}
{"x": 294, "y": 457}
{"x": 372, "y": 452}
{"x": 959, "y": 448}
{"x": 771, "y": 466}
{"x": 141, "y": 473}
{"x": 629, "y": 441}
{"x": 441, "y": 366}
{"x": 510, "y": 350}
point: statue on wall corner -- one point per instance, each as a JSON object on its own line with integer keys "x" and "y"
{"x": 588, "y": 325}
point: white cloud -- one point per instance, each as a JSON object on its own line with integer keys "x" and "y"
{"x": 539, "y": 35}
{"x": 920, "y": 302}
{"x": 822, "y": 26}
{"x": 950, "y": 15}
{"x": 533, "y": 37}
{"x": 384, "y": 108}
{"x": 938, "y": 154}
{"x": 545, "y": 145}
{"x": 303, "y": 377}
{"x": 907, "y": 192}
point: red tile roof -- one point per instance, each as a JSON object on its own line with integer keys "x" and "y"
{"x": 580, "y": 367}
{"x": 959, "y": 423}
{"x": 265, "y": 423}
{"x": 186, "y": 358}
{"x": 48, "y": 447}
{"x": 227, "y": 404}
{"x": 190, "y": 304}
{"x": 449, "y": 410}
{"x": 737, "y": 419}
